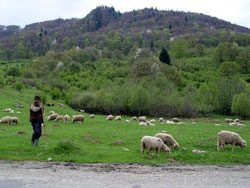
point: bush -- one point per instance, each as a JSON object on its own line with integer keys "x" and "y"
{"x": 55, "y": 93}
{"x": 240, "y": 105}
{"x": 66, "y": 147}
{"x": 18, "y": 86}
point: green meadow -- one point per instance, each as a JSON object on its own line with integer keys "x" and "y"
{"x": 101, "y": 141}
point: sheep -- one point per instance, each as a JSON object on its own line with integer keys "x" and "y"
{"x": 152, "y": 120}
{"x": 233, "y": 124}
{"x": 161, "y": 120}
{"x": 7, "y": 110}
{"x": 110, "y": 118}
{"x": 167, "y": 139}
{"x": 127, "y": 120}
{"x": 180, "y": 123}
{"x": 176, "y": 119}
{"x": 118, "y": 118}
{"x": 91, "y": 116}
{"x": 51, "y": 112}
{"x": 59, "y": 118}
{"x": 52, "y": 117}
{"x": 18, "y": 112}
{"x": 61, "y": 105}
{"x": 143, "y": 118}
{"x": 11, "y": 112}
{"x": 6, "y": 119}
{"x": 82, "y": 110}
{"x": 66, "y": 118}
{"x": 228, "y": 120}
{"x": 134, "y": 118}
{"x": 227, "y": 137}
{"x": 142, "y": 123}
{"x": 151, "y": 124}
{"x": 170, "y": 122}
{"x": 236, "y": 121}
{"x": 76, "y": 118}
{"x": 14, "y": 120}
{"x": 153, "y": 143}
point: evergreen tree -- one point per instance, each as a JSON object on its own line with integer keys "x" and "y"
{"x": 164, "y": 57}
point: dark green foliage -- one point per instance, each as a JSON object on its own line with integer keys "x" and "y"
{"x": 18, "y": 86}
{"x": 226, "y": 51}
{"x": 55, "y": 93}
{"x": 13, "y": 71}
{"x": 164, "y": 57}
{"x": 66, "y": 147}
{"x": 229, "y": 69}
{"x": 240, "y": 105}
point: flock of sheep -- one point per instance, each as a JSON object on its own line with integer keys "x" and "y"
{"x": 160, "y": 141}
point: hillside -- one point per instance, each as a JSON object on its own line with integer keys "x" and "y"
{"x": 140, "y": 26}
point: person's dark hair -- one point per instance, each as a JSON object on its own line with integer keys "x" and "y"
{"x": 37, "y": 97}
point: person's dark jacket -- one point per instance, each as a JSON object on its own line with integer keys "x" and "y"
{"x": 36, "y": 113}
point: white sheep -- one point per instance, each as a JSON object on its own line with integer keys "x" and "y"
{"x": 168, "y": 139}
{"x": 18, "y": 113}
{"x": 176, "y": 119}
{"x": 180, "y": 123}
{"x": 59, "y": 118}
{"x": 227, "y": 137}
{"x": 228, "y": 120}
{"x": 236, "y": 121}
{"x": 52, "y": 117}
{"x": 118, "y": 118}
{"x": 134, "y": 118}
{"x": 153, "y": 143}
{"x": 161, "y": 120}
{"x": 110, "y": 117}
{"x": 66, "y": 118}
{"x": 82, "y": 110}
{"x": 127, "y": 120}
{"x": 91, "y": 116}
{"x": 51, "y": 112}
{"x": 143, "y": 118}
{"x": 14, "y": 120}
{"x": 170, "y": 122}
{"x": 6, "y": 119}
{"x": 152, "y": 120}
{"x": 7, "y": 109}
{"x": 76, "y": 118}
{"x": 12, "y": 112}
{"x": 144, "y": 124}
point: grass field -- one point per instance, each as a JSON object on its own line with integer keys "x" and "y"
{"x": 94, "y": 140}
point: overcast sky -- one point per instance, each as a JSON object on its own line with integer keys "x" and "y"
{"x": 23, "y": 12}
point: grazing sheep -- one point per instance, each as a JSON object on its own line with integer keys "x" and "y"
{"x": 142, "y": 123}
{"x": 127, "y": 121}
{"x": 168, "y": 139}
{"x": 18, "y": 112}
{"x": 52, "y": 117}
{"x": 12, "y": 112}
{"x": 59, "y": 118}
{"x": 7, "y": 110}
{"x": 170, "y": 122}
{"x": 227, "y": 137}
{"x": 134, "y": 118}
{"x": 153, "y": 143}
{"x": 233, "y": 124}
{"x": 143, "y": 118}
{"x": 110, "y": 117}
{"x": 6, "y": 119}
{"x": 118, "y": 118}
{"x": 76, "y": 118}
{"x": 82, "y": 110}
{"x": 91, "y": 116}
{"x": 176, "y": 119}
{"x": 152, "y": 120}
{"x": 161, "y": 120}
{"x": 228, "y": 120}
{"x": 66, "y": 118}
{"x": 236, "y": 121}
{"x": 151, "y": 124}
{"x": 51, "y": 112}
{"x": 180, "y": 123}
{"x": 14, "y": 120}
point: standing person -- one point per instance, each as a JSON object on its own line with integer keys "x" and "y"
{"x": 36, "y": 119}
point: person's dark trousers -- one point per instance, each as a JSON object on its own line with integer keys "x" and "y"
{"x": 37, "y": 127}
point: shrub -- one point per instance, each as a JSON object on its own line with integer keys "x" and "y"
{"x": 18, "y": 86}
{"x": 240, "y": 105}
{"x": 55, "y": 93}
{"x": 66, "y": 147}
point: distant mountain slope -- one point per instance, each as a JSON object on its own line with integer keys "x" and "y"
{"x": 37, "y": 38}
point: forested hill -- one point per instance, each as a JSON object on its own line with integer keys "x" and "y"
{"x": 105, "y": 27}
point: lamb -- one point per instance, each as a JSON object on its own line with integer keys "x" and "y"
{"x": 12, "y": 112}
{"x": 92, "y": 116}
{"x": 161, "y": 120}
{"x": 78, "y": 118}
{"x": 110, "y": 117}
{"x": 176, "y": 119}
{"x": 118, "y": 118}
{"x": 7, "y": 110}
{"x": 59, "y": 118}
{"x": 52, "y": 117}
{"x": 51, "y": 112}
{"x": 14, "y": 120}
{"x": 168, "y": 140}
{"x": 66, "y": 118}
{"x": 153, "y": 143}
{"x": 227, "y": 137}
{"x": 6, "y": 119}
{"x": 142, "y": 123}
{"x": 143, "y": 118}
{"x": 170, "y": 122}
{"x": 228, "y": 120}
{"x": 134, "y": 118}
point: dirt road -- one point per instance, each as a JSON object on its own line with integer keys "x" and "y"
{"x": 52, "y": 174}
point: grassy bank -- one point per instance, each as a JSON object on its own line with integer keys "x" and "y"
{"x": 96, "y": 140}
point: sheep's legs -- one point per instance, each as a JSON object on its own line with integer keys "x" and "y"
{"x": 148, "y": 152}
{"x": 142, "y": 150}
{"x": 157, "y": 151}
{"x": 233, "y": 147}
{"x": 218, "y": 146}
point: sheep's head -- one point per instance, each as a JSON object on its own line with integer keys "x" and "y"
{"x": 176, "y": 145}
{"x": 243, "y": 144}
{"x": 167, "y": 149}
